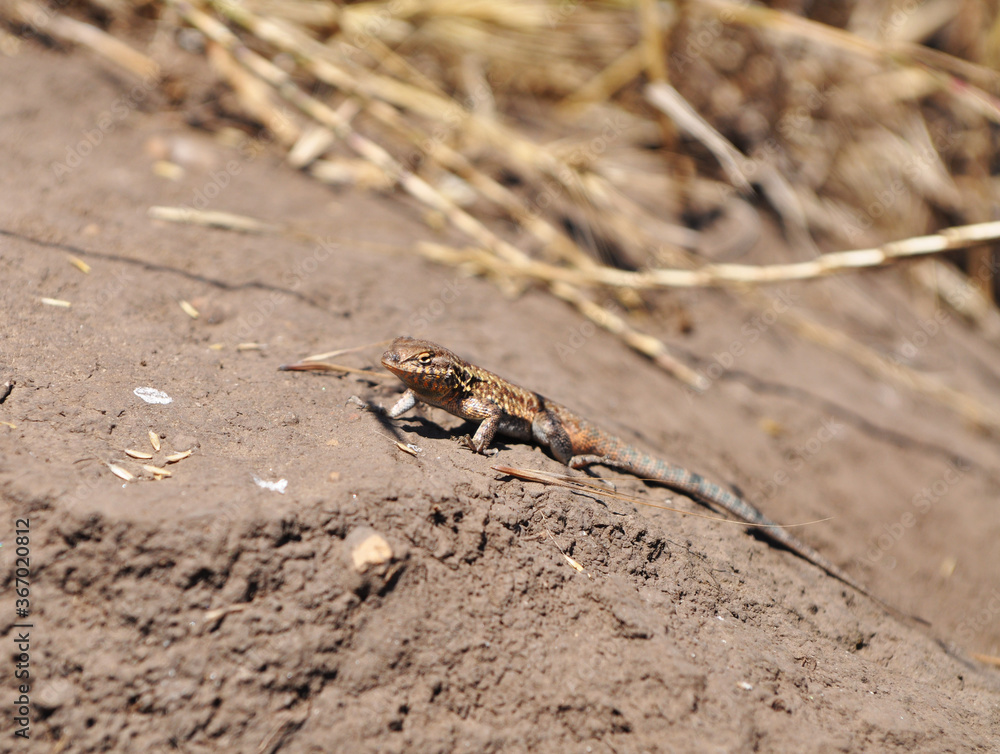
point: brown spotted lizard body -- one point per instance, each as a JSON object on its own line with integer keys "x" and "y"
{"x": 437, "y": 376}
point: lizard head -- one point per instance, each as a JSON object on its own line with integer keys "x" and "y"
{"x": 426, "y": 368}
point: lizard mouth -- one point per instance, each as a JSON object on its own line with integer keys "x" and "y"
{"x": 390, "y": 360}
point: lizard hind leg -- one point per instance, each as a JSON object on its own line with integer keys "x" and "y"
{"x": 549, "y": 432}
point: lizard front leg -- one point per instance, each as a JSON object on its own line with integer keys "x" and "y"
{"x": 491, "y": 414}
{"x": 406, "y": 401}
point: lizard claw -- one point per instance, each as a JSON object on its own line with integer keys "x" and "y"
{"x": 469, "y": 443}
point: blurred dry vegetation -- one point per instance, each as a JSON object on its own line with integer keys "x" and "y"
{"x": 602, "y": 148}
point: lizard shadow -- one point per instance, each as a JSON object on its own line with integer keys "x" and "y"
{"x": 430, "y": 430}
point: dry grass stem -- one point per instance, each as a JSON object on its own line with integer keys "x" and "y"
{"x": 66, "y": 29}
{"x": 79, "y": 264}
{"x": 58, "y": 302}
{"x": 714, "y": 275}
{"x": 669, "y": 101}
{"x": 212, "y": 219}
{"x": 320, "y": 366}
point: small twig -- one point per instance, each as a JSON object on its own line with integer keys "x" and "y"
{"x": 987, "y": 659}
{"x": 213, "y": 615}
{"x": 321, "y": 366}
{"x": 573, "y": 564}
{"x": 342, "y": 351}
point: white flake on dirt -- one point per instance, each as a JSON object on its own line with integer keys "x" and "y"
{"x": 152, "y": 395}
{"x": 278, "y": 486}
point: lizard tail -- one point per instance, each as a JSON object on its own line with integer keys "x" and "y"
{"x": 619, "y": 454}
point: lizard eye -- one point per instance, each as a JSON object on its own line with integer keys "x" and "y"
{"x": 425, "y": 358}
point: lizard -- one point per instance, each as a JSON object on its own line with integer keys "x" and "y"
{"x": 437, "y": 376}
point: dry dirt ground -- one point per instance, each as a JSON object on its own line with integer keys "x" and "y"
{"x": 204, "y": 612}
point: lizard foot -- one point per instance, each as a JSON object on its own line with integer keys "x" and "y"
{"x": 469, "y": 443}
